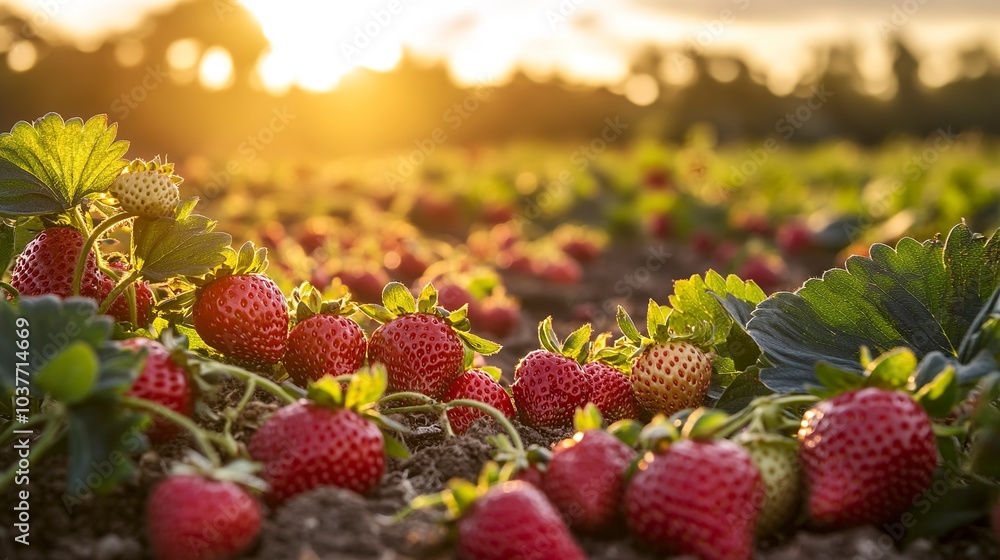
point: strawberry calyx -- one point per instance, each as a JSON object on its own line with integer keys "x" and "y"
{"x": 460, "y": 495}
{"x": 156, "y": 164}
{"x": 248, "y": 260}
{"x": 576, "y": 346}
{"x": 240, "y": 471}
{"x": 398, "y": 301}
{"x": 616, "y": 356}
{"x": 307, "y": 301}
{"x": 659, "y": 331}
{"x": 361, "y": 395}
{"x": 932, "y": 382}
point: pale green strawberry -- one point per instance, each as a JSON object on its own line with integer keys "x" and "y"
{"x": 777, "y": 459}
{"x": 148, "y": 189}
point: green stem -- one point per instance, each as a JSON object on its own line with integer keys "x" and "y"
{"x": 51, "y": 434}
{"x": 265, "y": 383}
{"x": 232, "y": 414}
{"x": 793, "y": 400}
{"x": 406, "y": 395}
{"x": 124, "y": 283}
{"x": 201, "y": 437}
{"x": 133, "y": 310}
{"x": 100, "y": 230}
{"x": 430, "y": 408}
{"x": 81, "y": 220}
{"x": 735, "y": 423}
{"x": 495, "y": 414}
{"x": 14, "y": 294}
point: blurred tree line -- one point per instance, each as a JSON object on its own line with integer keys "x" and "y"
{"x": 372, "y": 111}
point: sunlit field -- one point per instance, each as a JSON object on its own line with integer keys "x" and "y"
{"x": 499, "y": 280}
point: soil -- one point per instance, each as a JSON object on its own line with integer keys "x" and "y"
{"x": 335, "y": 524}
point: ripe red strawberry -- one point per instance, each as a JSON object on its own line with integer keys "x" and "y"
{"x": 585, "y": 478}
{"x": 611, "y": 391}
{"x": 423, "y": 351}
{"x": 514, "y": 521}
{"x": 244, "y": 316}
{"x": 794, "y": 238}
{"x": 323, "y": 340}
{"x": 193, "y": 518}
{"x": 499, "y": 316}
{"x": 532, "y": 475}
{"x": 777, "y": 459}
{"x": 305, "y": 445}
{"x": 564, "y": 271}
{"x": 671, "y": 376}
{"x": 119, "y": 308}
{"x": 866, "y": 454}
{"x": 548, "y": 388}
{"x": 164, "y": 382}
{"x": 46, "y": 265}
{"x": 697, "y": 498}
{"x": 478, "y": 385}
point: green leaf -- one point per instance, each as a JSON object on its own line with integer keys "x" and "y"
{"x": 627, "y": 431}
{"x": 627, "y": 325}
{"x": 922, "y": 296}
{"x": 741, "y": 392}
{"x": 703, "y": 423}
{"x": 938, "y": 514}
{"x": 697, "y": 300}
{"x": 588, "y": 418}
{"x": 184, "y": 246}
{"x": 71, "y": 374}
{"x": 395, "y": 448}
{"x": 577, "y": 344}
{"x": 492, "y": 371}
{"x": 481, "y": 345}
{"x": 50, "y": 325}
{"x": 69, "y": 160}
{"x": 7, "y": 252}
{"x": 656, "y": 317}
{"x": 377, "y": 312}
{"x": 940, "y": 396}
{"x": 892, "y": 370}
{"x": 547, "y": 336}
{"x": 23, "y": 194}
{"x": 103, "y": 436}
{"x": 398, "y": 299}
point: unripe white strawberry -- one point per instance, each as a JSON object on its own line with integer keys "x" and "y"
{"x": 668, "y": 377}
{"x": 148, "y": 189}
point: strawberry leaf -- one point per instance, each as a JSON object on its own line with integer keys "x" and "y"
{"x": 577, "y": 344}
{"x": 892, "y": 370}
{"x": 23, "y": 194}
{"x": 835, "y": 380}
{"x": 741, "y": 391}
{"x": 588, "y": 418}
{"x": 697, "y": 300}
{"x": 924, "y": 296}
{"x": 326, "y": 391}
{"x": 366, "y": 387}
{"x": 67, "y": 161}
{"x": 186, "y": 245}
{"x": 547, "y": 336}
{"x": 627, "y": 325}
{"x": 377, "y": 312}
{"x": 398, "y": 299}
{"x": 428, "y": 299}
{"x": 70, "y": 376}
{"x": 492, "y": 371}
{"x": 395, "y": 448}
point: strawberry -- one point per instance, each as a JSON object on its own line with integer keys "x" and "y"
{"x": 794, "y": 238}
{"x": 514, "y": 521}
{"x": 585, "y": 478}
{"x": 47, "y": 262}
{"x": 323, "y": 340}
{"x": 148, "y": 189}
{"x": 421, "y": 345}
{"x": 239, "y": 311}
{"x": 777, "y": 459}
{"x": 670, "y": 373}
{"x": 611, "y": 391}
{"x": 164, "y": 382}
{"x": 550, "y": 384}
{"x": 696, "y": 498}
{"x": 499, "y": 316}
{"x": 120, "y": 307}
{"x": 479, "y": 385}
{"x": 866, "y": 454}
{"x": 189, "y": 517}
{"x": 332, "y": 438}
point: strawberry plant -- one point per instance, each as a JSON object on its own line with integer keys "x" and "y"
{"x": 550, "y": 384}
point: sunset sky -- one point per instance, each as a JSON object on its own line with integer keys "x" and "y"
{"x": 314, "y": 43}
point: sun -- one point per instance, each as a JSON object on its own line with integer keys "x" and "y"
{"x": 314, "y": 44}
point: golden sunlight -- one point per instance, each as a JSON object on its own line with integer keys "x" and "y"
{"x": 313, "y": 45}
